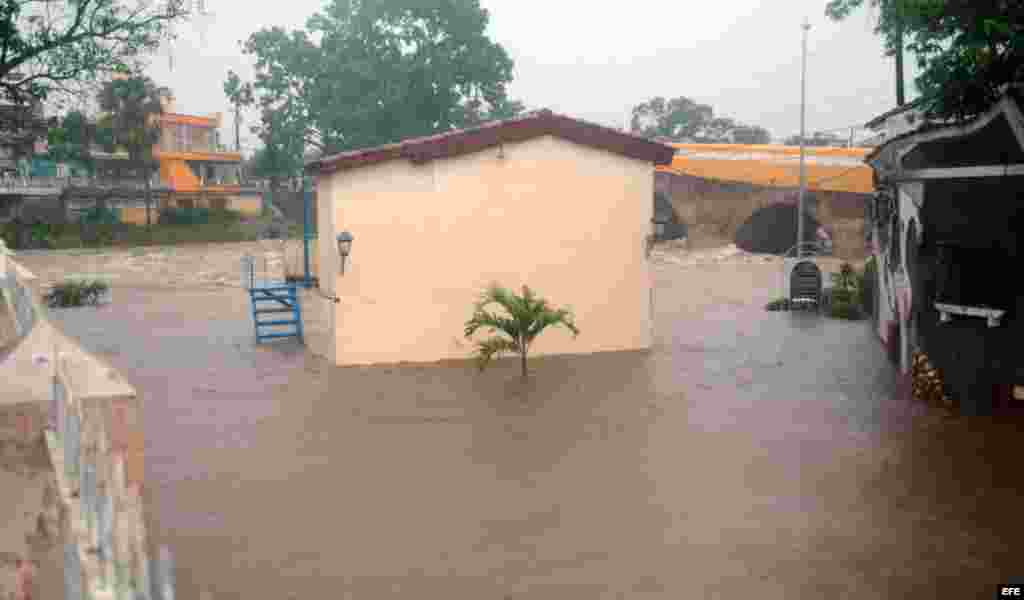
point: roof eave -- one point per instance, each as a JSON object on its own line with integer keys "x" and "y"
{"x": 536, "y": 124}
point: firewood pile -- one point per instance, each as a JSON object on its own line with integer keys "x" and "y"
{"x": 926, "y": 381}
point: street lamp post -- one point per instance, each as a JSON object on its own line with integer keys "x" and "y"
{"x": 803, "y": 122}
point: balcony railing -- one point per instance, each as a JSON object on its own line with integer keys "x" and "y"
{"x": 59, "y": 183}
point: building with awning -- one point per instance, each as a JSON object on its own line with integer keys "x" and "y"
{"x": 827, "y": 169}
{"x": 716, "y": 189}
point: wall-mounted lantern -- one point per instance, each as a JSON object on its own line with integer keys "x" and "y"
{"x": 659, "y": 226}
{"x": 344, "y": 247}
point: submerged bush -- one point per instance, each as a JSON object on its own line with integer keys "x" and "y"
{"x": 73, "y": 292}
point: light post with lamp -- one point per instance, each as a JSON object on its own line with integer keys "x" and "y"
{"x": 659, "y": 223}
{"x": 344, "y": 247}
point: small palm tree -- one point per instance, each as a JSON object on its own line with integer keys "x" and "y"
{"x": 526, "y": 316}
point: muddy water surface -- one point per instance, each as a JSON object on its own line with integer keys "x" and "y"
{"x": 747, "y": 452}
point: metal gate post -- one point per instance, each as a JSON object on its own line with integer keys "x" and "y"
{"x": 307, "y": 197}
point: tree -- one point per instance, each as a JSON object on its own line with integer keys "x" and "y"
{"x": 524, "y": 318}
{"x": 965, "y": 49}
{"x": 675, "y": 119}
{"x": 819, "y": 139}
{"x": 751, "y": 134}
{"x": 49, "y": 46}
{"x": 132, "y": 108}
{"x": 240, "y": 95}
{"x": 682, "y": 120}
{"x": 476, "y": 113}
{"x": 369, "y": 72}
{"x": 716, "y": 131}
{"x": 72, "y": 139}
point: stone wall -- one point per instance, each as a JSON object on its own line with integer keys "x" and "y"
{"x": 722, "y": 207}
{"x": 72, "y": 446}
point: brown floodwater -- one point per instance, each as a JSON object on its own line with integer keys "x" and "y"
{"x": 747, "y": 453}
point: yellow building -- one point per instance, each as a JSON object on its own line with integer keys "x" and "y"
{"x": 827, "y": 169}
{"x": 198, "y": 171}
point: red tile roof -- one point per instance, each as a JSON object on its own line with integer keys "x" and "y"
{"x": 530, "y": 125}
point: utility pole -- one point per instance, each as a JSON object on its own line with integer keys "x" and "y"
{"x": 900, "y": 96}
{"x": 803, "y": 125}
{"x": 238, "y": 127}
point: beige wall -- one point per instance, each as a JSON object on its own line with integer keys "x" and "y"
{"x": 137, "y": 216}
{"x": 249, "y": 204}
{"x": 568, "y": 220}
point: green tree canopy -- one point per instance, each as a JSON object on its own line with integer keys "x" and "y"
{"x": 965, "y": 49}
{"x": 131, "y": 106}
{"x": 368, "y": 72}
{"x": 681, "y": 119}
{"x": 49, "y": 46}
{"x": 72, "y": 139}
{"x": 675, "y": 118}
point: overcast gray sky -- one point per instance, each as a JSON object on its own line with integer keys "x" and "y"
{"x": 595, "y": 60}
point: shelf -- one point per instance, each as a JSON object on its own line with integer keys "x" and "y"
{"x": 946, "y": 312}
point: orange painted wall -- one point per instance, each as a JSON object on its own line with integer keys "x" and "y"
{"x": 137, "y": 215}
{"x": 178, "y": 175}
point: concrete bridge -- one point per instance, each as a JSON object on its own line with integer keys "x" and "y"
{"x": 718, "y": 188}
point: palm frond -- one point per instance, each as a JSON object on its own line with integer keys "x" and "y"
{"x": 524, "y": 318}
{"x": 491, "y": 322}
{"x": 492, "y": 348}
{"x": 549, "y": 318}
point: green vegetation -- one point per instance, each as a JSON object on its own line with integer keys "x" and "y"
{"x": 965, "y": 49}
{"x": 681, "y": 118}
{"x": 846, "y": 296}
{"x": 55, "y": 48}
{"x": 221, "y": 226}
{"x": 398, "y": 69}
{"x": 525, "y": 318}
{"x": 778, "y": 304}
{"x": 73, "y": 292}
{"x": 130, "y": 106}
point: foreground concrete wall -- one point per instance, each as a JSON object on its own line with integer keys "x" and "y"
{"x": 567, "y": 220}
{"x": 32, "y": 526}
{"x": 71, "y": 452}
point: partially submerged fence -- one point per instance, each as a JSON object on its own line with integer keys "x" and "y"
{"x": 93, "y": 430}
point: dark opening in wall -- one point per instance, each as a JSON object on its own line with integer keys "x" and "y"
{"x": 773, "y": 230}
{"x": 973, "y": 277}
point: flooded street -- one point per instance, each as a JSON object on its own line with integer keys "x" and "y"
{"x": 748, "y": 452}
